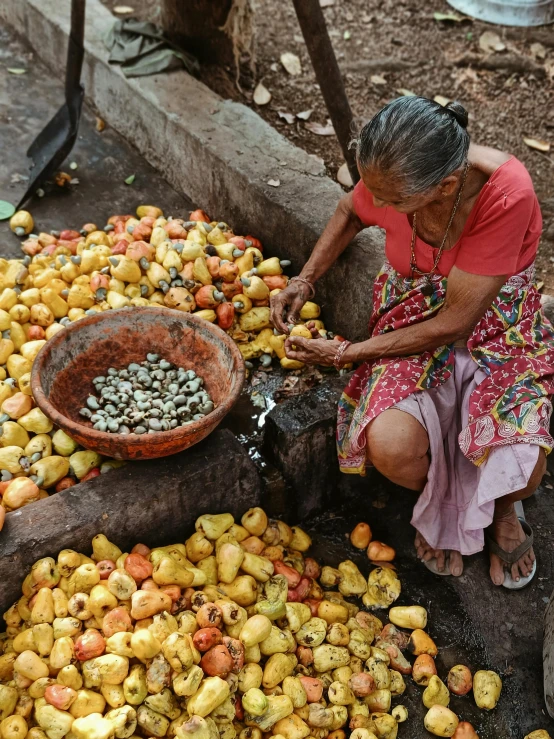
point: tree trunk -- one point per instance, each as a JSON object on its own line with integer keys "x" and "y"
{"x": 196, "y": 26}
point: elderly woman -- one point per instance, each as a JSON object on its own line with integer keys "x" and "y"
{"x": 452, "y": 395}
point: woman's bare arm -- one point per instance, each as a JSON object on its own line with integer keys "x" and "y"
{"x": 468, "y": 297}
{"x": 339, "y": 232}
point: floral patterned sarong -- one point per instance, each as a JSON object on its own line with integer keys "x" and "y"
{"x": 513, "y": 344}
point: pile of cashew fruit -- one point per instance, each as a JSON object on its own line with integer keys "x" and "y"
{"x": 234, "y": 633}
{"x": 148, "y": 260}
{"x": 196, "y": 266}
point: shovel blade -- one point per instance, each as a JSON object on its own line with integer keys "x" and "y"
{"x": 53, "y": 144}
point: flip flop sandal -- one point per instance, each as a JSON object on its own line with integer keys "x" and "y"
{"x": 432, "y": 566}
{"x": 510, "y": 558}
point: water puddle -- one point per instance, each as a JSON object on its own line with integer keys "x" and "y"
{"x": 247, "y": 420}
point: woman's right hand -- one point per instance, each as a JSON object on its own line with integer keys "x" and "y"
{"x": 287, "y": 304}
{"x": 339, "y": 232}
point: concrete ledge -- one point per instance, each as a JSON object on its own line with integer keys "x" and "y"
{"x": 220, "y": 153}
{"x": 155, "y": 502}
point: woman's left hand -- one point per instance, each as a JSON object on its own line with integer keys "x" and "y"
{"x": 311, "y": 351}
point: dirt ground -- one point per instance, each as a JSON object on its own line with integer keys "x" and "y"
{"x": 509, "y": 94}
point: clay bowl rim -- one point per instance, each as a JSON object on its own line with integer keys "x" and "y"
{"x": 171, "y": 439}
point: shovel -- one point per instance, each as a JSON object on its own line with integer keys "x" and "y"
{"x": 54, "y": 142}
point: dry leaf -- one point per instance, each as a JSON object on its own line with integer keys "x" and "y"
{"x": 100, "y": 124}
{"x": 454, "y": 17}
{"x": 406, "y": 93}
{"x": 319, "y": 129}
{"x": 441, "y": 100}
{"x": 510, "y": 82}
{"x": 304, "y": 115}
{"x": 537, "y": 144}
{"x": 326, "y": 3}
{"x": 291, "y": 63}
{"x": 538, "y": 50}
{"x": 343, "y": 176}
{"x": 288, "y": 117}
{"x": 377, "y": 79}
{"x": 491, "y": 42}
{"x": 274, "y": 183}
{"x": 464, "y": 75}
{"x": 262, "y": 96}
{"x": 122, "y": 9}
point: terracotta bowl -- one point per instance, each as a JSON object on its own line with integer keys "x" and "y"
{"x": 63, "y": 371}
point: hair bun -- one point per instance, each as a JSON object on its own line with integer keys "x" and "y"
{"x": 458, "y": 112}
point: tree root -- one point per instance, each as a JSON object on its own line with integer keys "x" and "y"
{"x": 510, "y": 63}
{"x": 239, "y": 27}
{"x": 387, "y": 64}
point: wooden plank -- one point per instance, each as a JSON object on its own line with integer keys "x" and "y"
{"x": 155, "y": 502}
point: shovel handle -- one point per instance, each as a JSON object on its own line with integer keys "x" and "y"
{"x": 75, "y": 49}
{"x": 314, "y": 29}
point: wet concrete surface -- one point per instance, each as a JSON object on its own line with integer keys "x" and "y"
{"x": 472, "y": 622}
{"x": 104, "y": 159}
{"x": 248, "y": 417}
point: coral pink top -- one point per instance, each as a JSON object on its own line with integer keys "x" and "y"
{"x": 500, "y": 237}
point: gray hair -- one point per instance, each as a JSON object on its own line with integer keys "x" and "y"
{"x": 416, "y": 140}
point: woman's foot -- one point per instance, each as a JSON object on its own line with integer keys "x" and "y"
{"x": 426, "y": 553}
{"x": 506, "y": 531}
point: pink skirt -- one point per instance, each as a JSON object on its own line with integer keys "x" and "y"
{"x": 457, "y": 503}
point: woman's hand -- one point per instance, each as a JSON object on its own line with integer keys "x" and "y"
{"x": 287, "y": 304}
{"x": 311, "y": 351}
{"x": 339, "y": 232}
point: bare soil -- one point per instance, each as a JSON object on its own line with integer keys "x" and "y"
{"x": 509, "y": 94}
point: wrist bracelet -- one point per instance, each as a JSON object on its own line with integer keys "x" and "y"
{"x": 304, "y": 281}
{"x": 337, "y": 361}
